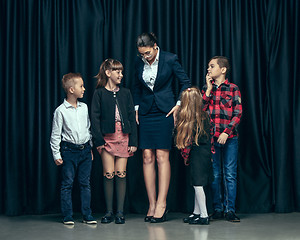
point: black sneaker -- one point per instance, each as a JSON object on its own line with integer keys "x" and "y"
{"x": 68, "y": 220}
{"x": 89, "y": 219}
{"x": 200, "y": 221}
{"x": 217, "y": 215}
{"x": 231, "y": 217}
{"x": 191, "y": 217}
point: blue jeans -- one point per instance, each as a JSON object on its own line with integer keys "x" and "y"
{"x": 76, "y": 158}
{"x": 225, "y": 171}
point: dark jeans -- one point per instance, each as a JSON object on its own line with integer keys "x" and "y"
{"x": 225, "y": 172}
{"x": 76, "y": 158}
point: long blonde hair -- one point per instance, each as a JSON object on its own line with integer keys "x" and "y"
{"x": 190, "y": 118}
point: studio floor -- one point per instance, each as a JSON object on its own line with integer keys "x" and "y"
{"x": 252, "y": 226}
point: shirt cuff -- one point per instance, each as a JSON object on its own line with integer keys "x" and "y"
{"x": 57, "y": 156}
{"x": 178, "y": 103}
{"x": 136, "y": 107}
{"x": 206, "y": 98}
{"x": 228, "y": 131}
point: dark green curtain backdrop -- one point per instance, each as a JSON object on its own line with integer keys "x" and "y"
{"x": 42, "y": 40}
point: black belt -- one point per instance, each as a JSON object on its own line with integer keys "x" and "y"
{"x": 76, "y": 146}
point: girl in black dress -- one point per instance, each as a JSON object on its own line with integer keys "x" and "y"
{"x": 194, "y": 140}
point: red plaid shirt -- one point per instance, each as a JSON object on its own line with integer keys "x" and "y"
{"x": 224, "y": 107}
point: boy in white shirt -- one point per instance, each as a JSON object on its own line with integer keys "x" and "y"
{"x": 71, "y": 147}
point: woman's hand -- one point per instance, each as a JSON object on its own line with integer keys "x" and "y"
{"x": 174, "y": 111}
{"x": 137, "y": 117}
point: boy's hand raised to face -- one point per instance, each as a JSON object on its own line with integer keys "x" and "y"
{"x": 209, "y": 84}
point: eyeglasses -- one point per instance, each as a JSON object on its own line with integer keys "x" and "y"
{"x": 146, "y": 54}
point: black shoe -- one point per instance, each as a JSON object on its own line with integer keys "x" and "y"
{"x": 217, "y": 215}
{"x": 200, "y": 221}
{"x": 108, "y": 218}
{"x": 161, "y": 219}
{"x": 231, "y": 217}
{"x": 119, "y": 219}
{"x": 68, "y": 220}
{"x": 148, "y": 218}
{"x": 89, "y": 219}
{"x": 191, "y": 217}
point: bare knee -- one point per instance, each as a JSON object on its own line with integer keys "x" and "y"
{"x": 148, "y": 157}
{"x": 162, "y": 156}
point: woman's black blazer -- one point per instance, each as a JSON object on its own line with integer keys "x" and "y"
{"x": 163, "y": 95}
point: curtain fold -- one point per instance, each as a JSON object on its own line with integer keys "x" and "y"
{"x": 43, "y": 40}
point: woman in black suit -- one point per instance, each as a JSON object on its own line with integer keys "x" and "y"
{"x": 156, "y": 110}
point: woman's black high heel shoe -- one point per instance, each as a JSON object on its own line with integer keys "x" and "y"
{"x": 148, "y": 218}
{"x": 119, "y": 218}
{"x": 161, "y": 219}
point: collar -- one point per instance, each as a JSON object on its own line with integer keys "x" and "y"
{"x": 68, "y": 105}
{"x": 226, "y": 82}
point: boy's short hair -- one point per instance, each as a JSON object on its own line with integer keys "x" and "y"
{"x": 222, "y": 62}
{"x": 68, "y": 80}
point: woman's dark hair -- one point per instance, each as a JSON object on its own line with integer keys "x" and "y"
{"x": 146, "y": 40}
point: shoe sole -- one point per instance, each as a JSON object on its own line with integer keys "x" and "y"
{"x": 119, "y": 222}
{"x": 234, "y": 221}
{"x": 68, "y": 223}
{"x": 106, "y": 222}
{"x": 199, "y": 223}
{"x": 90, "y": 222}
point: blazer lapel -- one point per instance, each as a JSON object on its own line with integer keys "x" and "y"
{"x": 161, "y": 62}
{"x": 140, "y": 73}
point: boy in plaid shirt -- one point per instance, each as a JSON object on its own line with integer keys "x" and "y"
{"x": 222, "y": 100}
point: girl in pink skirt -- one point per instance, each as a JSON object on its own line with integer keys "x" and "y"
{"x": 114, "y": 134}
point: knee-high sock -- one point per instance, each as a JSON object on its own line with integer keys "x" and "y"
{"x": 120, "y": 191}
{"x": 108, "y": 186}
{"x": 196, "y": 206}
{"x": 200, "y": 200}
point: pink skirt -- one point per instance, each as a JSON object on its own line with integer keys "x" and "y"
{"x": 117, "y": 143}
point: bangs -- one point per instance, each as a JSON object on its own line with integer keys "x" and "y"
{"x": 116, "y": 65}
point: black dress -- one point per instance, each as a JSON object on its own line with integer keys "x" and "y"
{"x": 200, "y": 168}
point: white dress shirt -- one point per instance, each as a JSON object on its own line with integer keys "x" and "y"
{"x": 150, "y": 71}
{"x": 70, "y": 124}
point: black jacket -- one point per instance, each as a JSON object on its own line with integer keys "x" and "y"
{"x": 162, "y": 94}
{"x": 103, "y": 115}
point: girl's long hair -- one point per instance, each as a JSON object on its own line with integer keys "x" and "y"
{"x": 108, "y": 64}
{"x": 190, "y": 118}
